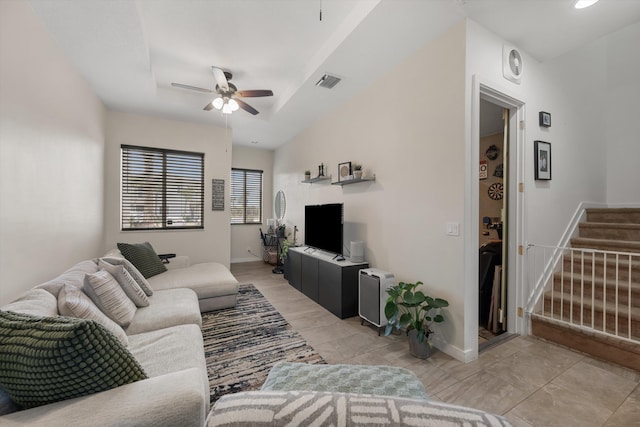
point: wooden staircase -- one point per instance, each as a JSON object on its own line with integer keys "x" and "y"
{"x": 607, "y": 284}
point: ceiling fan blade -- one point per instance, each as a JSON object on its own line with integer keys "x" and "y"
{"x": 254, "y": 93}
{"x": 246, "y": 107}
{"x": 208, "y": 107}
{"x": 199, "y": 89}
{"x": 221, "y": 79}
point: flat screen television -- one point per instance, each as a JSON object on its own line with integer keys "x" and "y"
{"x": 323, "y": 227}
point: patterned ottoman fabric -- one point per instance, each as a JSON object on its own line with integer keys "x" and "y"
{"x": 306, "y": 408}
{"x": 362, "y": 379}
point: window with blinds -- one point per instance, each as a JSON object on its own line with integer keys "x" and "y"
{"x": 161, "y": 189}
{"x": 246, "y": 196}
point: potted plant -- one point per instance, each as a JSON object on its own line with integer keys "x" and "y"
{"x": 307, "y": 175}
{"x": 357, "y": 171}
{"x": 410, "y": 309}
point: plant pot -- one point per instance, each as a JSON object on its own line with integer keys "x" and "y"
{"x": 421, "y": 350}
{"x": 357, "y": 174}
{"x": 307, "y": 177}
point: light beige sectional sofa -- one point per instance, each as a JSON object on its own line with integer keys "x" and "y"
{"x": 161, "y": 340}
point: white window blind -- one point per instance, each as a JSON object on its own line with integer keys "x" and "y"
{"x": 161, "y": 189}
{"x": 246, "y": 196}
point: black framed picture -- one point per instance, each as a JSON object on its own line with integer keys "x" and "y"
{"x": 344, "y": 171}
{"x": 542, "y": 159}
{"x": 545, "y": 119}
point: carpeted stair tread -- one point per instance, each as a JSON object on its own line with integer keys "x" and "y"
{"x": 615, "y": 231}
{"x": 623, "y": 309}
{"x": 624, "y": 215}
{"x": 598, "y": 280}
{"x": 607, "y": 245}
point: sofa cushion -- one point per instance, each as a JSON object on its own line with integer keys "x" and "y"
{"x": 73, "y": 276}
{"x": 143, "y": 257}
{"x": 167, "y": 308}
{"x": 127, "y": 283}
{"x": 48, "y": 359}
{"x": 73, "y": 302}
{"x": 208, "y": 280}
{"x": 105, "y": 291}
{"x": 132, "y": 270}
{"x": 37, "y": 302}
{"x": 269, "y": 408}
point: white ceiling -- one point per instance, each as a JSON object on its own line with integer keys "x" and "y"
{"x": 130, "y": 51}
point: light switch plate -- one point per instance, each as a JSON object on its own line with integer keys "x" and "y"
{"x": 453, "y": 229}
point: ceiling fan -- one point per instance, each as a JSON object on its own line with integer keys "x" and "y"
{"x": 227, "y": 101}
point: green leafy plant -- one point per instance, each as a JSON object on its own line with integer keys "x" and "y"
{"x": 307, "y": 172}
{"x": 284, "y": 248}
{"x": 357, "y": 167}
{"x": 408, "y": 308}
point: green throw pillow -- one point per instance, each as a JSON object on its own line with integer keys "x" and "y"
{"x": 48, "y": 359}
{"x": 143, "y": 257}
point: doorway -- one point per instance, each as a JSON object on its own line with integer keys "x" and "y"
{"x": 493, "y": 195}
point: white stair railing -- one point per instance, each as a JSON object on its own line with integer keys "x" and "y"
{"x": 591, "y": 289}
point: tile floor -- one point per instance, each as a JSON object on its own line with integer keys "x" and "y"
{"x": 529, "y": 381}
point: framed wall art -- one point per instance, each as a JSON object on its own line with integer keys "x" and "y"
{"x": 345, "y": 172}
{"x": 217, "y": 194}
{"x": 542, "y": 160}
{"x": 545, "y": 119}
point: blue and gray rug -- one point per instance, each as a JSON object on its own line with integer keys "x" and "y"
{"x": 241, "y": 344}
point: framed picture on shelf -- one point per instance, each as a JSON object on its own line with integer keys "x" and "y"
{"x": 542, "y": 159}
{"x": 345, "y": 172}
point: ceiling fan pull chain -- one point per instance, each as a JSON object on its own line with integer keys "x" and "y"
{"x": 320, "y": 10}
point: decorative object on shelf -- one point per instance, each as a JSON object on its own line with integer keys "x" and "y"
{"x": 492, "y": 152}
{"x": 344, "y": 171}
{"x": 542, "y": 160}
{"x": 483, "y": 169}
{"x": 357, "y": 171}
{"x": 410, "y": 309}
{"x": 496, "y": 191}
{"x": 321, "y": 169}
{"x": 499, "y": 172}
{"x": 307, "y": 174}
{"x": 545, "y": 119}
{"x": 353, "y": 181}
{"x": 217, "y": 194}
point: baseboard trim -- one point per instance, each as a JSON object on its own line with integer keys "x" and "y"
{"x": 239, "y": 260}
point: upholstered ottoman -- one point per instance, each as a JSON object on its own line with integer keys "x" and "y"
{"x": 359, "y": 379}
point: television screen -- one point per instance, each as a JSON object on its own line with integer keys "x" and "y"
{"x": 323, "y": 227}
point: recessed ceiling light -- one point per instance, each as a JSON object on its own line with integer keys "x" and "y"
{"x": 581, "y": 4}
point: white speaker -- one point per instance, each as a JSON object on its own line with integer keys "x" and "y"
{"x": 357, "y": 251}
{"x": 372, "y": 295}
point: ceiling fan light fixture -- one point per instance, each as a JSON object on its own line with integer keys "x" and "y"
{"x": 233, "y": 105}
{"x": 226, "y": 109}
{"x": 581, "y": 4}
{"x": 218, "y": 103}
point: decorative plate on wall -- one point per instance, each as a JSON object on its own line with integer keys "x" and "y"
{"x": 492, "y": 152}
{"x": 496, "y": 191}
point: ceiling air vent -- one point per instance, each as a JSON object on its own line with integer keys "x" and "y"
{"x": 328, "y": 81}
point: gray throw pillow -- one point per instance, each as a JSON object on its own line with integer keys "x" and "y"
{"x": 49, "y": 359}
{"x": 105, "y": 291}
{"x": 73, "y": 302}
{"x": 143, "y": 257}
{"x": 127, "y": 283}
{"x": 137, "y": 276}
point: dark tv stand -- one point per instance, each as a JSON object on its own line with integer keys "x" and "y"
{"x": 332, "y": 284}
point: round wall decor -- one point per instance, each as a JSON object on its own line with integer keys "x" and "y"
{"x": 492, "y": 152}
{"x": 495, "y": 191}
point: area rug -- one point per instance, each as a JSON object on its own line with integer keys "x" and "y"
{"x": 241, "y": 344}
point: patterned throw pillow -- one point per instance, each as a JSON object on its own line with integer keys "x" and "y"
{"x": 137, "y": 276}
{"x": 127, "y": 283}
{"x": 143, "y": 257}
{"x": 105, "y": 291}
{"x": 305, "y": 408}
{"x": 48, "y": 359}
{"x": 73, "y": 302}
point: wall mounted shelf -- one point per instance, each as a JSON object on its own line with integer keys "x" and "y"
{"x": 353, "y": 181}
{"x": 316, "y": 179}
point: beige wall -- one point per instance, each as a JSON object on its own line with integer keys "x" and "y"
{"x": 413, "y": 141}
{"x": 246, "y": 237}
{"x": 51, "y": 157}
{"x": 210, "y": 244}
